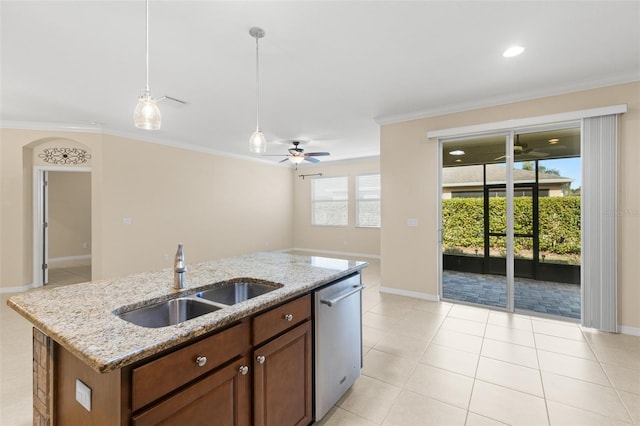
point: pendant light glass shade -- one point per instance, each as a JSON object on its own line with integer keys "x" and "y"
{"x": 147, "y": 114}
{"x": 257, "y": 141}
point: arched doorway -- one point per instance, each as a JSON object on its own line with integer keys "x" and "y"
{"x": 61, "y": 211}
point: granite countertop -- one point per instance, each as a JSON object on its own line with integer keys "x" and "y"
{"x": 80, "y": 317}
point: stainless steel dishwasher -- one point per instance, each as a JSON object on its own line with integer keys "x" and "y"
{"x": 338, "y": 341}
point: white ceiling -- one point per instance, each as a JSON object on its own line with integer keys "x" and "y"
{"x": 329, "y": 69}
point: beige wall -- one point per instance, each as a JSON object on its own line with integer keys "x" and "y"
{"x": 69, "y": 215}
{"x": 349, "y": 239}
{"x": 217, "y": 206}
{"x": 410, "y": 190}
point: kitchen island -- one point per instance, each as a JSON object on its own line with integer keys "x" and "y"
{"x": 77, "y": 330}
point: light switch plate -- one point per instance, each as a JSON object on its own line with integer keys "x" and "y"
{"x": 83, "y": 395}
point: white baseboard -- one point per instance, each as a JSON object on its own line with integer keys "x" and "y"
{"x": 17, "y": 289}
{"x": 407, "y": 293}
{"x": 335, "y": 253}
{"x": 633, "y": 331}
{"x": 68, "y": 258}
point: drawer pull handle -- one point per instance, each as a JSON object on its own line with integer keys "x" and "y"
{"x": 244, "y": 370}
{"x": 201, "y": 361}
{"x": 260, "y": 359}
{"x": 288, "y": 317}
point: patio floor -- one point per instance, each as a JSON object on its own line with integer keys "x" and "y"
{"x": 538, "y": 296}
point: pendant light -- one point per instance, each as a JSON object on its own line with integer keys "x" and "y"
{"x": 147, "y": 115}
{"x": 257, "y": 142}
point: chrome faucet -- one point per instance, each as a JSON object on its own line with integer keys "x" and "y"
{"x": 179, "y": 269}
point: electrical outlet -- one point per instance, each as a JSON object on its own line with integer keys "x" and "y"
{"x": 85, "y": 245}
{"x": 83, "y": 395}
{"x": 126, "y": 220}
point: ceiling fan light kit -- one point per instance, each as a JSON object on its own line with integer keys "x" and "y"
{"x": 147, "y": 114}
{"x": 297, "y": 155}
{"x": 257, "y": 141}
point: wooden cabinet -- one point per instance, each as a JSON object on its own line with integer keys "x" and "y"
{"x": 280, "y": 318}
{"x": 157, "y": 378}
{"x": 257, "y": 371}
{"x": 221, "y": 398}
{"x": 282, "y": 379}
{"x": 282, "y": 366}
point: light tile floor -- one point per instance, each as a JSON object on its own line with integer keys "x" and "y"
{"x": 439, "y": 364}
{"x": 69, "y": 272}
{"x": 444, "y": 364}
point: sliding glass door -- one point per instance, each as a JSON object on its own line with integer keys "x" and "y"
{"x": 511, "y": 223}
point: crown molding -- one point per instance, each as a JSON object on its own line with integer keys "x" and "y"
{"x": 52, "y": 127}
{"x": 502, "y": 100}
{"x": 99, "y": 129}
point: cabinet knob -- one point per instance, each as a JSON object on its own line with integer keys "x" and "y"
{"x": 260, "y": 359}
{"x": 288, "y": 317}
{"x": 244, "y": 370}
{"x": 201, "y": 361}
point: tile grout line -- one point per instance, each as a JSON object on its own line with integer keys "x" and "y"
{"x": 475, "y": 373}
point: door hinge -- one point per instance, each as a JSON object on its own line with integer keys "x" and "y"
{"x": 45, "y": 224}
{"x": 45, "y": 266}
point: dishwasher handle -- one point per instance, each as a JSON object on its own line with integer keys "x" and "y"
{"x": 331, "y": 302}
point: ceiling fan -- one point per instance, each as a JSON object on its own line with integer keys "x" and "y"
{"x": 297, "y": 155}
{"x": 523, "y": 148}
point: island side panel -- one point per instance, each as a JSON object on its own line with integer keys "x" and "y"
{"x": 42, "y": 379}
{"x": 109, "y": 393}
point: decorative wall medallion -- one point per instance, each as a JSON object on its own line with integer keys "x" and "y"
{"x": 64, "y": 156}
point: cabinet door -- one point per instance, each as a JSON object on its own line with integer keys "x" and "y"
{"x": 223, "y": 398}
{"x": 282, "y": 379}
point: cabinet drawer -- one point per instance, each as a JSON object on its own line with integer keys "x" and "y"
{"x": 223, "y": 396}
{"x": 159, "y": 377}
{"x": 280, "y": 319}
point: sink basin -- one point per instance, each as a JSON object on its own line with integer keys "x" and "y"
{"x": 169, "y": 312}
{"x": 232, "y": 293}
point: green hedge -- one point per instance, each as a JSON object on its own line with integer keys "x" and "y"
{"x": 559, "y": 219}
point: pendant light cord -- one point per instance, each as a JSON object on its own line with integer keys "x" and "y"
{"x": 257, "y": 88}
{"x": 147, "y": 91}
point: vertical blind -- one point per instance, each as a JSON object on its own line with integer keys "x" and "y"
{"x": 599, "y": 278}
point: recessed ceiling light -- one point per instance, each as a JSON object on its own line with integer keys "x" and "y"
{"x": 513, "y": 51}
{"x": 554, "y": 141}
{"x": 456, "y": 152}
{"x": 458, "y": 160}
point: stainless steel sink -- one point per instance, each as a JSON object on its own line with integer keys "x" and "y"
{"x": 169, "y": 312}
{"x": 232, "y": 293}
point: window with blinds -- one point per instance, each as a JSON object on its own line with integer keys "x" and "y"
{"x": 368, "y": 201}
{"x": 330, "y": 201}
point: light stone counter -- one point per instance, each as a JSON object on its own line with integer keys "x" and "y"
{"x": 81, "y": 317}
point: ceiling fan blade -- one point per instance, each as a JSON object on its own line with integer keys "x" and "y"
{"x": 317, "y": 154}
{"x": 538, "y": 154}
{"x": 282, "y": 161}
{"x": 274, "y": 155}
{"x": 311, "y": 159}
